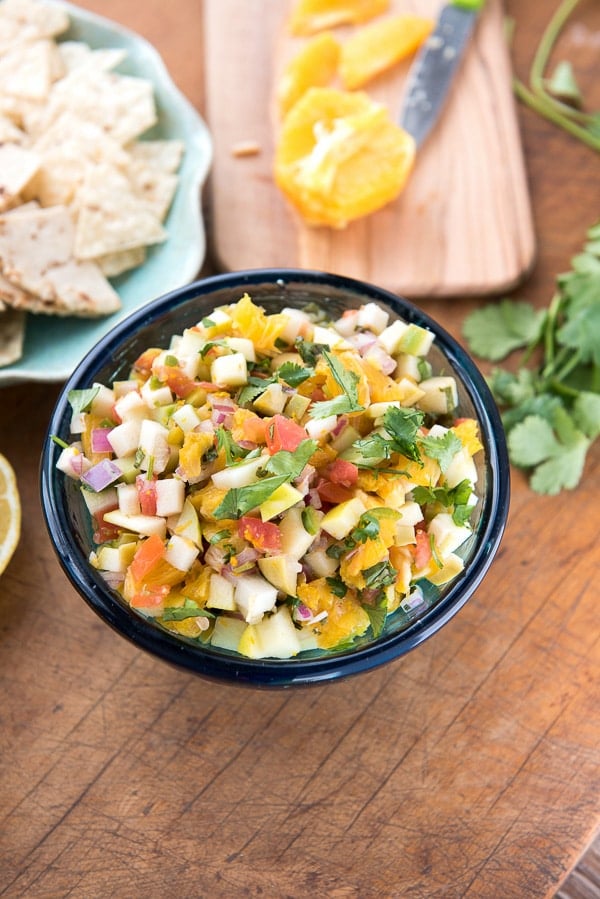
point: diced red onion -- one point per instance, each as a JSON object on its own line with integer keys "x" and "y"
{"x": 222, "y": 405}
{"x": 101, "y": 475}
{"x": 215, "y": 557}
{"x": 100, "y": 443}
{"x": 303, "y": 612}
{"x": 249, "y": 554}
{"x": 314, "y": 499}
{"x": 205, "y": 426}
{"x": 362, "y": 341}
{"x": 381, "y": 359}
{"x": 114, "y": 579}
{"x": 217, "y": 418}
{"x": 341, "y": 424}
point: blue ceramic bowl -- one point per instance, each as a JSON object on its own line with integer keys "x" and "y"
{"x": 153, "y": 325}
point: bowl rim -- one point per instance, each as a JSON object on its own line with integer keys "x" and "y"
{"x": 215, "y": 664}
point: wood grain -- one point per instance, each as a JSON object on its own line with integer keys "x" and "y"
{"x": 470, "y": 768}
{"x": 461, "y": 226}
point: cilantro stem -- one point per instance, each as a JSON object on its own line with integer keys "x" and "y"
{"x": 546, "y": 45}
{"x": 540, "y": 100}
{"x": 548, "y": 109}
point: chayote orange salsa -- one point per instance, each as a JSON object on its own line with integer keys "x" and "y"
{"x": 275, "y": 484}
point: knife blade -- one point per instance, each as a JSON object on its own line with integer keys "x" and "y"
{"x": 435, "y": 65}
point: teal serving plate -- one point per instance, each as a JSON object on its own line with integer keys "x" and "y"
{"x": 54, "y": 345}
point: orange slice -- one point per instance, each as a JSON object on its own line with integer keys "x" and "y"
{"x": 310, "y": 16}
{"x": 314, "y": 66}
{"x": 341, "y": 157}
{"x": 10, "y": 513}
{"x": 380, "y": 46}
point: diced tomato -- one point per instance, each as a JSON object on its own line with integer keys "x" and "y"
{"x": 284, "y": 434}
{"x": 263, "y": 535}
{"x": 343, "y": 472}
{"x": 333, "y": 493}
{"x": 177, "y": 380}
{"x": 147, "y": 556}
{"x": 423, "y": 548}
{"x": 317, "y": 396}
{"x": 147, "y": 495}
{"x": 143, "y": 364}
{"x": 149, "y": 597}
{"x": 105, "y": 531}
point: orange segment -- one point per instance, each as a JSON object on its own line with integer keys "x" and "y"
{"x": 315, "y": 65}
{"x": 10, "y": 513}
{"x": 341, "y": 157}
{"x": 380, "y": 46}
{"x": 310, "y": 16}
{"x": 251, "y": 321}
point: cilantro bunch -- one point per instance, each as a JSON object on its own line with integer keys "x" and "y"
{"x": 551, "y": 403}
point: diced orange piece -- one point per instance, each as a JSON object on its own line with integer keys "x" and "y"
{"x": 252, "y": 322}
{"x": 315, "y": 65}
{"x": 340, "y": 156}
{"x": 380, "y": 46}
{"x": 310, "y": 16}
{"x": 467, "y": 430}
{"x": 346, "y": 618}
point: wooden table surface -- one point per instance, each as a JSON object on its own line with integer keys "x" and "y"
{"x": 470, "y": 768}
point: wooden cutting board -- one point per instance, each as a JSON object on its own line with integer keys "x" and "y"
{"x": 462, "y": 225}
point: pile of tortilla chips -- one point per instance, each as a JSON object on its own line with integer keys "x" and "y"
{"x": 80, "y": 196}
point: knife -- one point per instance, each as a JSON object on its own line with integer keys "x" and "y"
{"x": 432, "y": 71}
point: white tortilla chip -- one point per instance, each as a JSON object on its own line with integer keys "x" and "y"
{"x": 110, "y": 217}
{"x": 66, "y": 151}
{"x": 59, "y": 284}
{"x": 12, "y": 333}
{"x": 155, "y": 188}
{"x": 78, "y": 55}
{"x": 26, "y": 71}
{"x": 35, "y": 18}
{"x": 165, "y": 155}
{"x": 17, "y": 167}
{"x": 9, "y": 133}
{"x": 113, "y": 264}
{"x": 122, "y": 106}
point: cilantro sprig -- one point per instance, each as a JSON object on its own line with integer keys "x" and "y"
{"x": 347, "y": 401}
{"x": 550, "y": 406}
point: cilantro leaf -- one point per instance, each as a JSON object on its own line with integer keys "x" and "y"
{"x": 309, "y": 352}
{"x": 455, "y": 498}
{"x": 496, "y": 330}
{"x": 557, "y": 464}
{"x": 377, "y": 614}
{"x": 443, "y": 448}
{"x": 345, "y": 402}
{"x": 294, "y": 374}
{"x": 586, "y": 413}
{"x": 581, "y": 331}
{"x": 380, "y": 575}
{"x": 233, "y": 451}
{"x": 337, "y": 586}
{"x": 290, "y": 464}
{"x": 189, "y": 609}
{"x": 253, "y": 389}
{"x": 81, "y": 400}
{"x": 240, "y": 500}
{"x": 403, "y": 425}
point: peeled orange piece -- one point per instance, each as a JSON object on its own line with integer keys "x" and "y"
{"x": 380, "y": 46}
{"x": 10, "y": 513}
{"x": 315, "y": 65}
{"x": 310, "y": 16}
{"x": 340, "y": 156}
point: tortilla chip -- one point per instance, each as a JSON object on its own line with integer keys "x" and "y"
{"x": 110, "y": 217}
{"x": 9, "y": 133}
{"x": 78, "y": 55}
{"x": 57, "y": 283}
{"x": 17, "y": 168}
{"x": 155, "y": 188}
{"x": 113, "y": 264}
{"x": 66, "y": 151}
{"x": 35, "y": 18}
{"x": 12, "y": 334}
{"x": 165, "y": 155}
{"x": 26, "y": 71}
{"x": 121, "y": 105}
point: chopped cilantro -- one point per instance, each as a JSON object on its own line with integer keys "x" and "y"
{"x": 402, "y": 425}
{"x": 346, "y": 401}
{"x": 455, "y": 498}
{"x": 240, "y": 500}
{"x": 377, "y": 613}
{"x": 233, "y": 451}
{"x": 293, "y": 374}
{"x": 253, "y": 389}
{"x": 337, "y": 587}
{"x": 380, "y": 575}
{"x": 309, "y": 352}
{"x": 495, "y": 330}
{"x": 443, "y": 448}
{"x": 81, "y": 400}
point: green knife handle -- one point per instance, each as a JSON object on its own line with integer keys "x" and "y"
{"x": 472, "y": 5}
